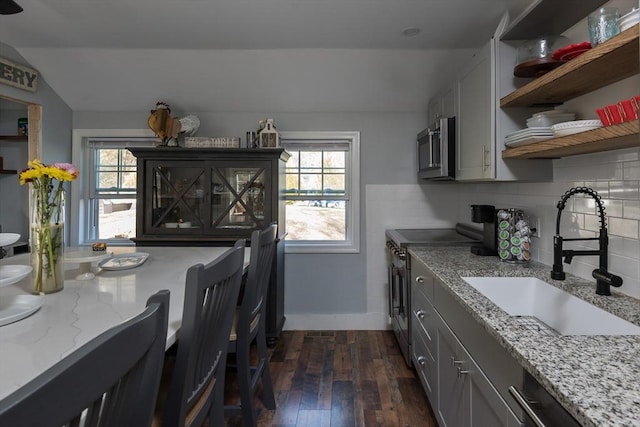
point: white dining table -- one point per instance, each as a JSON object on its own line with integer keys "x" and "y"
{"x": 85, "y": 308}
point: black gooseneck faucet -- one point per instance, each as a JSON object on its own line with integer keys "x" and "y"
{"x": 604, "y": 279}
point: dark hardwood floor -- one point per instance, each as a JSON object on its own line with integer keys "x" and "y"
{"x": 340, "y": 379}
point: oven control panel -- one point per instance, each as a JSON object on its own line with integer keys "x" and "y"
{"x": 396, "y": 250}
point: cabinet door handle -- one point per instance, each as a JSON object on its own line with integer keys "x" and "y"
{"x": 455, "y": 362}
{"x": 419, "y": 279}
{"x": 420, "y": 314}
{"x": 422, "y": 360}
{"x": 461, "y": 372}
{"x": 485, "y": 151}
{"x": 524, "y": 404}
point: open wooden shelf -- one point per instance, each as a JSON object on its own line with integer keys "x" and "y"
{"x": 14, "y": 138}
{"x": 625, "y": 135}
{"x": 609, "y": 62}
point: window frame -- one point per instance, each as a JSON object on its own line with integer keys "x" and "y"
{"x": 81, "y": 189}
{"x": 351, "y": 243}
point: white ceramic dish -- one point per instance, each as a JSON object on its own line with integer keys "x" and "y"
{"x": 572, "y": 131}
{"x": 578, "y": 126}
{"x": 18, "y": 307}
{"x": 548, "y": 121}
{"x": 124, "y": 261}
{"x": 629, "y": 20}
{"x": 85, "y": 256}
{"x": 7, "y": 239}
{"x": 526, "y": 141}
{"x": 549, "y": 113}
{"x": 10, "y": 274}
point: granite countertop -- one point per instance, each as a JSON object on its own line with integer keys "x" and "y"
{"x": 594, "y": 377}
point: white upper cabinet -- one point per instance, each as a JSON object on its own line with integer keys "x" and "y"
{"x": 475, "y": 130}
{"x": 481, "y": 126}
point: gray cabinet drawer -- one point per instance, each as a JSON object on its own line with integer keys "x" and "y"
{"x": 422, "y": 278}
{"x": 425, "y": 364}
{"x": 423, "y": 320}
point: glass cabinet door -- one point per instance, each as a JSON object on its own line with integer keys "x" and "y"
{"x": 178, "y": 196}
{"x": 238, "y": 196}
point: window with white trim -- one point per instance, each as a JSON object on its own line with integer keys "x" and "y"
{"x": 108, "y": 196}
{"x": 322, "y": 191}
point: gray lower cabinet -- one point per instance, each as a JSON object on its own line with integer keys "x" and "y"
{"x": 460, "y": 392}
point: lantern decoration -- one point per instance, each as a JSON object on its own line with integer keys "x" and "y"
{"x": 268, "y": 136}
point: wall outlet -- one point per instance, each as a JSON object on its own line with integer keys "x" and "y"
{"x": 534, "y": 225}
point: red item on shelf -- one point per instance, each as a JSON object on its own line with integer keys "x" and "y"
{"x": 604, "y": 116}
{"x": 635, "y": 102}
{"x": 569, "y": 52}
{"x": 628, "y": 110}
{"x": 614, "y": 113}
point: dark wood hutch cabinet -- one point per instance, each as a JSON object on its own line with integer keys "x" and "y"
{"x": 214, "y": 196}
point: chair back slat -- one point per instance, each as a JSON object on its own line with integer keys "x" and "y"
{"x": 211, "y": 293}
{"x": 263, "y": 245}
{"x": 111, "y": 380}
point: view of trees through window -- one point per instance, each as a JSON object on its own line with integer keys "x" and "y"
{"x": 316, "y": 196}
{"x": 114, "y": 195}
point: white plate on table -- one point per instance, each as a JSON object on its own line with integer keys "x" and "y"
{"x": 10, "y": 274}
{"x": 87, "y": 255}
{"x": 124, "y": 261}
{"x": 8, "y": 238}
{"x": 17, "y": 307}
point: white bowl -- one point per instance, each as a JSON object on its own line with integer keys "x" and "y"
{"x": 548, "y": 121}
{"x": 629, "y": 20}
{"x": 8, "y": 238}
{"x": 10, "y": 274}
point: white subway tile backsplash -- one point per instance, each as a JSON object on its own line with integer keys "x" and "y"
{"x": 631, "y": 170}
{"x": 624, "y": 190}
{"x": 613, "y": 208}
{"x": 623, "y": 227}
{"x": 631, "y": 209}
{"x": 614, "y": 175}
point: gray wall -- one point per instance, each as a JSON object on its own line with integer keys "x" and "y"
{"x": 316, "y": 283}
{"x": 56, "y": 144}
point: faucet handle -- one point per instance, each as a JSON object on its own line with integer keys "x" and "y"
{"x": 608, "y": 278}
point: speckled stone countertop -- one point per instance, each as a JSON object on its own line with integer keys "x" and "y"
{"x": 596, "y": 378}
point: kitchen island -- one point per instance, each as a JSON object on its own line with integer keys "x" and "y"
{"x": 86, "y": 308}
{"x": 593, "y": 377}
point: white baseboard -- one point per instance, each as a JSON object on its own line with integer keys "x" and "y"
{"x": 337, "y": 322}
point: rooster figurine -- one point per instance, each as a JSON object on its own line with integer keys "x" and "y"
{"x": 163, "y": 125}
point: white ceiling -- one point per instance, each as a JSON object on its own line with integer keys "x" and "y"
{"x": 248, "y": 55}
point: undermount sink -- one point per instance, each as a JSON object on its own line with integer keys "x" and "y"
{"x": 566, "y": 314}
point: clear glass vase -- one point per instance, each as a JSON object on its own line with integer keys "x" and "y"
{"x": 47, "y": 242}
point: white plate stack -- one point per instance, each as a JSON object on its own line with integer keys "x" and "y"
{"x": 550, "y": 118}
{"x": 577, "y": 126}
{"x": 528, "y": 136}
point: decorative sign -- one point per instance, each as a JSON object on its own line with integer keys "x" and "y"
{"x": 17, "y": 75}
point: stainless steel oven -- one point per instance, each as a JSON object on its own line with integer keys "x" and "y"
{"x": 399, "y": 271}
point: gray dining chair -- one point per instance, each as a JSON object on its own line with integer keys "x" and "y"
{"x": 249, "y": 327}
{"x": 110, "y": 381}
{"x": 195, "y": 377}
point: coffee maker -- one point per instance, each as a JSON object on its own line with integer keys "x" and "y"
{"x": 485, "y": 215}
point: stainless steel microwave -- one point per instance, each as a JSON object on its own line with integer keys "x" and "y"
{"x": 436, "y": 150}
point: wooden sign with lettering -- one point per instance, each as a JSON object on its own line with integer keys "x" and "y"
{"x": 17, "y": 75}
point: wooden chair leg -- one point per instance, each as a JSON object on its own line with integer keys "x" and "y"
{"x": 243, "y": 361}
{"x": 268, "y": 397}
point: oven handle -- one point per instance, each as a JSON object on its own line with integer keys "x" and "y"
{"x": 524, "y": 404}
{"x": 390, "y": 286}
